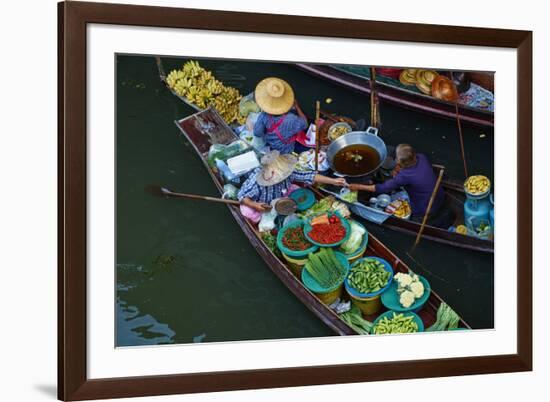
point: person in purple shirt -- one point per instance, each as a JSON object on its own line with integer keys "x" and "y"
{"x": 415, "y": 174}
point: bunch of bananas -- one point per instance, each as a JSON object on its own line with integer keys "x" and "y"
{"x": 203, "y": 89}
{"x": 476, "y": 185}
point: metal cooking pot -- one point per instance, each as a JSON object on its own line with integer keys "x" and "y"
{"x": 369, "y": 137}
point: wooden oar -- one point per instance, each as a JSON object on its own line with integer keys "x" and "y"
{"x": 317, "y": 134}
{"x": 164, "y": 192}
{"x": 434, "y": 193}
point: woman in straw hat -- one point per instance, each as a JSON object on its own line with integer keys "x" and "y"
{"x": 277, "y": 124}
{"x": 273, "y": 180}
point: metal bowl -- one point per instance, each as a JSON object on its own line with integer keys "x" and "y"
{"x": 335, "y": 126}
{"x": 355, "y": 138}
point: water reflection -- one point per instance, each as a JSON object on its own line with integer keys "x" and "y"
{"x": 133, "y": 327}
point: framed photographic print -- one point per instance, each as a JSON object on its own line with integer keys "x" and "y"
{"x": 252, "y": 200}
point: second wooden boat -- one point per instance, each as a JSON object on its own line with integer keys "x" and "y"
{"x": 393, "y": 93}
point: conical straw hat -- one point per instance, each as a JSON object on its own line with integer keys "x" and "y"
{"x": 275, "y": 168}
{"x": 274, "y": 95}
{"x": 444, "y": 88}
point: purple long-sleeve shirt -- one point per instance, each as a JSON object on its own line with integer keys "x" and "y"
{"x": 419, "y": 182}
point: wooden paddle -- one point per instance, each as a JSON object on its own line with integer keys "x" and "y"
{"x": 164, "y": 192}
{"x": 434, "y": 193}
{"x": 317, "y": 134}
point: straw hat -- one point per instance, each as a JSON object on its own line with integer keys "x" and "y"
{"x": 424, "y": 80}
{"x": 274, "y": 95}
{"x": 408, "y": 76}
{"x": 275, "y": 168}
{"x": 444, "y": 88}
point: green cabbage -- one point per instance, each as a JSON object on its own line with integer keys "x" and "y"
{"x": 247, "y": 106}
{"x": 355, "y": 239}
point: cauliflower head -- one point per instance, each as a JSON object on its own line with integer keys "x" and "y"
{"x": 407, "y": 298}
{"x": 417, "y": 288}
{"x": 402, "y": 279}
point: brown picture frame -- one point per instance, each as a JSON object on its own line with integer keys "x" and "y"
{"x": 73, "y": 383}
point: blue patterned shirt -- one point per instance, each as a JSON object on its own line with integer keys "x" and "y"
{"x": 255, "y": 192}
{"x": 291, "y": 126}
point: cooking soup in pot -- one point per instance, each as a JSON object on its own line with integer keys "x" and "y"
{"x": 356, "y": 160}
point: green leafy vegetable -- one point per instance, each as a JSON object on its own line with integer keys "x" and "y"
{"x": 354, "y": 319}
{"x": 447, "y": 319}
{"x": 325, "y": 268}
{"x": 355, "y": 239}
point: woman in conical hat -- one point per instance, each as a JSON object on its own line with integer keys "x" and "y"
{"x": 274, "y": 179}
{"x": 277, "y": 124}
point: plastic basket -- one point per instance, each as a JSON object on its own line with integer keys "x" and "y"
{"x": 390, "y": 299}
{"x": 343, "y": 221}
{"x": 390, "y": 313}
{"x": 354, "y": 293}
{"x": 303, "y": 198}
{"x": 296, "y": 265}
{"x": 326, "y": 295}
{"x": 289, "y": 252}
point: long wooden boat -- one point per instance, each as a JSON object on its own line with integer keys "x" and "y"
{"x": 393, "y": 93}
{"x": 454, "y": 200}
{"x": 205, "y": 128}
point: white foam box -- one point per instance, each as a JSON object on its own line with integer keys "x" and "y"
{"x": 243, "y": 163}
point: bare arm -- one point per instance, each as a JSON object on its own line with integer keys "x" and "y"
{"x": 320, "y": 179}
{"x": 258, "y": 206}
{"x": 363, "y": 187}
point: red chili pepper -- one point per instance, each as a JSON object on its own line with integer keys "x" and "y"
{"x": 328, "y": 234}
{"x": 294, "y": 239}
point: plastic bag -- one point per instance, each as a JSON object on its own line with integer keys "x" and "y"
{"x": 267, "y": 222}
{"x": 230, "y": 192}
{"x": 356, "y": 237}
{"x": 349, "y": 196}
{"x": 224, "y": 152}
{"x": 247, "y": 105}
{"x": 251, "y": 121}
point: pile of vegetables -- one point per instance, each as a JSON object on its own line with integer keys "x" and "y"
{"x": 328, "y": 204}
{"x": 247, "y": 105}
{"x": 349, "y": 196}
{"x": 294, "y": 239}
{"x": 271, "y": 242}
{"x": 409, "y": 288}
{"x": 326, "y": 230}
{"x": 368, "y": 276}
{"x": 447, "y": 319}
{"x": 398, "y": 324}
{"x": 325, "y": 268}
{"x": 354, "y": 319}
{"x": 352, "y": 244}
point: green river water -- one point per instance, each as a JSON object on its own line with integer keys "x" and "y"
{"x": 186, "y": 272}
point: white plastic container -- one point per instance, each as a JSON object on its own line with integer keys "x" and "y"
{"x": 243, "y": 163}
